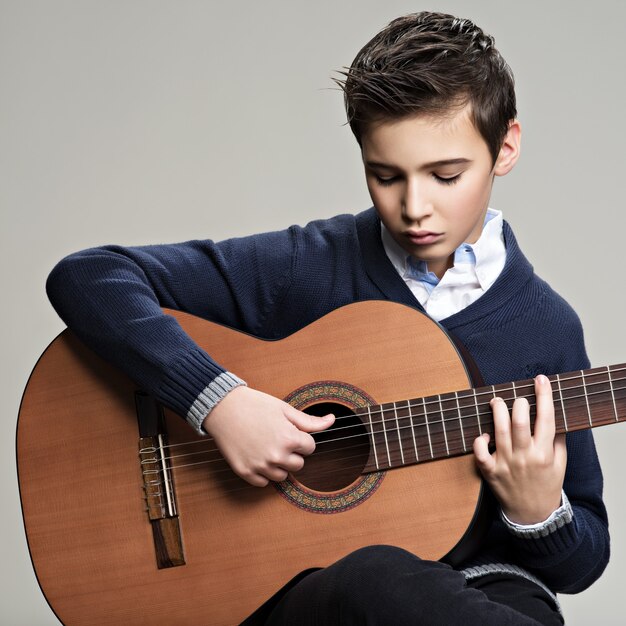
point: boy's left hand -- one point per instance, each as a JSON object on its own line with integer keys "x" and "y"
{"x": 526, "y": 471}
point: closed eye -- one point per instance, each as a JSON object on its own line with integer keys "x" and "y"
{"x": 386, "y": 181}
{"x": 447, "y": 180}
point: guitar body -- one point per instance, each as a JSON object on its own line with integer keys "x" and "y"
{"x": 82, "y": 489}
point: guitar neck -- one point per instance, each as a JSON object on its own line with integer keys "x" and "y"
{"x": 445, "y": 425}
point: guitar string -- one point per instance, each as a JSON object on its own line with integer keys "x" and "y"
{"x": 242, "y": 485}
{"x": 227, "y": 468}
{"x": 453, "y": 396}
{"x": 454, "y": 418}
{"x": 235, "y": 479}
{"x": 360, "y": 436}
{"x": 392, "y": 429}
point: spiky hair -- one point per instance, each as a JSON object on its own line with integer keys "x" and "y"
{"x": 430, "y": 64}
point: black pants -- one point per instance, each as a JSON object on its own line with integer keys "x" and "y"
{"x": 387, "y": 585}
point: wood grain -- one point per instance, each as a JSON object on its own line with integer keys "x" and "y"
{"x": 81, "y": 486}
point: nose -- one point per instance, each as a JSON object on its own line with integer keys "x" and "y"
{"x": 415, "y": 203}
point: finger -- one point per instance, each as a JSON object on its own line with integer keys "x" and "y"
{"x": 544, "y": 422}
{"x": 275, "y": 473}
{"x": 485, "y": 461}
{"x": 521, "y": 437}
{"x": 256, "y": 480}
{"x": 293, "y": 463}
{"x": 305, "y": 444}
{"x": 501, "y": 426}
{"x": 309, "y": 423}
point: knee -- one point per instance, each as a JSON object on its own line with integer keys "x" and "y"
{"x": 379, "y": 581}
{"x": 380, "y": 558}
{"x": 367, "y": 567}
{"x": 383, "y": 568}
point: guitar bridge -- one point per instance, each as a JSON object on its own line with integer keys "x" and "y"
{"x": 158, "y": 483}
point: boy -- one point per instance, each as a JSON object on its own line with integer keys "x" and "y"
{"x": 432, "y": 105}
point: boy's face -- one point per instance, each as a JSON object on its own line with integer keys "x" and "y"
{"x": 430, "y": 180}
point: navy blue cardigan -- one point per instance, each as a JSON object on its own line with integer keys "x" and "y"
{"x": 273, "y": 284}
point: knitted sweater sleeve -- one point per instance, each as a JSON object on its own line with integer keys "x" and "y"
{"x": 111, "y": 298}
{"x": 571, "y": 552}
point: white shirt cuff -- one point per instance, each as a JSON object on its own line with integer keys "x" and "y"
{"x": 563, "y": 515}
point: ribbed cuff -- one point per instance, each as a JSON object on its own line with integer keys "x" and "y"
{"x": 478, "y": 571}
{"x": 563, "y": 515}
{"x": 193, "y": 385}
{"x": 210, "y": 396}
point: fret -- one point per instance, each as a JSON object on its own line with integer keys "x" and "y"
{"x": 600, "y": 396}
{"x": 617, "y": 388}
{"x": 443, "y": 425}
{"x": 432, "y": 412}
{"x": 468, "y": 404}
{"x": 391, "y": 435}
{"x": 413, "y": 431}
{"x": 410, "y": 436}
{"x": 608, "y": 371}
{"x": 586, "y": 398}
{"x": 399, "y": 433}
{"x": 382, "y": 421}
{"x": 584, "y": 390}
{"x": 558, "y": 382}
{"x": 373, "y": 435}
{"x": 506, "y": 392}
{"x": 452, "y": 426}
{"x": 417, "y": 458}
{"x": 458, "y": 407}
{"x": 480, "y": 428}
{"x": 421, "y": 427}
{"x": 430, "y": 441}
{"x": 574, "y": 401}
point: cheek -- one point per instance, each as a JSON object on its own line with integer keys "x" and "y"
{"x": 381, "y": 197}
{"x": 454, "y": 202}
{"x": 467, "y": 200}
{"x": 372, "y": 191}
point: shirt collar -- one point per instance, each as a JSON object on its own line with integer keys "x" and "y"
{"x": 485, "y": 254}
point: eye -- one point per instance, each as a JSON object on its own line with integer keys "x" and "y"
{"x": 385, "y": 182}
{"x": 449, "y": 180}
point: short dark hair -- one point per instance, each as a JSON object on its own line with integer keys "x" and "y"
{"x": 432, "y": 64}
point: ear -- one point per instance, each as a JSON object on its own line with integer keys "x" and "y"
{"x": 510, "y": 150}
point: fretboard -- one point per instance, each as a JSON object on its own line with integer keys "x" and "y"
{"x": 439, "y": 426}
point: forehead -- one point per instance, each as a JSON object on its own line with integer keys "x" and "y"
{"x": 424, "y": 138}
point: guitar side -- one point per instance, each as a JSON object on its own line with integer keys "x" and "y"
{"x": 82, "y": 489}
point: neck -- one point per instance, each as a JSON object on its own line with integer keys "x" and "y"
{"x": 440, "y": 267}
{"x": 425, "y": 429}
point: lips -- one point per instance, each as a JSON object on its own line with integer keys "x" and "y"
{"x": 423, "y": 237}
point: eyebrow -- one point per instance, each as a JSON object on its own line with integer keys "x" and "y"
{"x": 440, "y": 163}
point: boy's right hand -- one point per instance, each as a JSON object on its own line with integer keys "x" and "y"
{"x": 262, "y": 437}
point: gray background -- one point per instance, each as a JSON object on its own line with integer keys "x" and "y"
{"x": 145, "y": 121}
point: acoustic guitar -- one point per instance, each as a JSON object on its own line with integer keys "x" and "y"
{"x": 131, "y": 518}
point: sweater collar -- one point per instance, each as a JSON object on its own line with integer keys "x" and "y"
{"x": 377, "y": 264}
{"x": 516, "y": 273}
{"x": 478, "y": 263}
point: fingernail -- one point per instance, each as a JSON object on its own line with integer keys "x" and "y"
{"x": 541, "y": 379}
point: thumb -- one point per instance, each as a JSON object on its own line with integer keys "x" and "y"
{"x": 310, "y": 423}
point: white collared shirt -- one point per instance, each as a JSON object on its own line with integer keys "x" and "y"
{"x": 476, "y": 267}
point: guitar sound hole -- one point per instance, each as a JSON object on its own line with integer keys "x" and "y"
{"x": 341, "y": 452}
